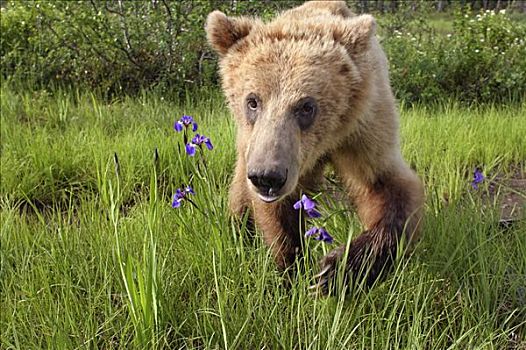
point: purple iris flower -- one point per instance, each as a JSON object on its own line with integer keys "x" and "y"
{"x": 477, "y": 179}
{"x": 308, "y": 205}
{"x": 180, "y": 195}
{"x": 189, "y": 189}
{"x": 198, "y": 140}
{"x": 190, "y": 149}
{"x": 319, "y": 234}
{"x": 185, "y": 122}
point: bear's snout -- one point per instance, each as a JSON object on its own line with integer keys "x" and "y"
{"x": 268, "y": 183}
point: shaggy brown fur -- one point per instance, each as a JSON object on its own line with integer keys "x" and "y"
{"x": 310, "y": 88}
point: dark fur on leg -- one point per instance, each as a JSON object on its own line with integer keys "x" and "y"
{"x": 389, "y": 209}
{"x": 280, "y": 225}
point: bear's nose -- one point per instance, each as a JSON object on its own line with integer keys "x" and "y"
{"x": 268, "y": 182}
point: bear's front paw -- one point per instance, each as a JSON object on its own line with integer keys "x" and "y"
{"x": 370, "y": 257}
{"x": 326, "y": 278}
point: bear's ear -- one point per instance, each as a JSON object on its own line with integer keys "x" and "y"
{"x": 222, "y": 32}
{"x": 356, "y": 33}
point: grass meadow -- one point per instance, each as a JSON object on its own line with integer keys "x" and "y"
{"x": 93, "y": 256}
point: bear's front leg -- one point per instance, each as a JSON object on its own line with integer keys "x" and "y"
{"x": 389, "y": 204}
{"x": 278, "y": 221}
{"x": 280, "y": 225}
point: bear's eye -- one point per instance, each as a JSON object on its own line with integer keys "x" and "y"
{"x": 253, "y": 105}
{"x": 305, "y": 111}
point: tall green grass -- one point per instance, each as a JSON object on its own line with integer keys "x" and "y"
{"x": 93, "y": 256}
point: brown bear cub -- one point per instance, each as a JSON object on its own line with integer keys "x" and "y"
{"x": 310, "y": 88}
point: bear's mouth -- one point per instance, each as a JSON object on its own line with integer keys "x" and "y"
{"x": 268, "y": 195}
{"x": 268, "y": 198}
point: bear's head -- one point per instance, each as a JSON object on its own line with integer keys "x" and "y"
{"x": 293, "y": 85}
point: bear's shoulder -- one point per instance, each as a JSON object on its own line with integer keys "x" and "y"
{"x": 316, "y": 9}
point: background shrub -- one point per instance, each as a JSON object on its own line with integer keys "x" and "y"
{"x": 116, "y": 47}
{"x": 481, "y": 59}
{"x": 123, "y": 47}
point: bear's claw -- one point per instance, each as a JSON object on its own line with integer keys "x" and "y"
{"x": 321, "y": 287}
{"x": 326, "y": 278}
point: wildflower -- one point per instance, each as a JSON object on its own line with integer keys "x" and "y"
{"x": 185, "y": 122}
{"x": 198, "y": 140}
{"x": 477, "y": 179}
{"x": 180, "y": 195}
{"x": 308, "y": 205}
{"x": 319, "y": 234}
{"x": 189, "y": 190}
